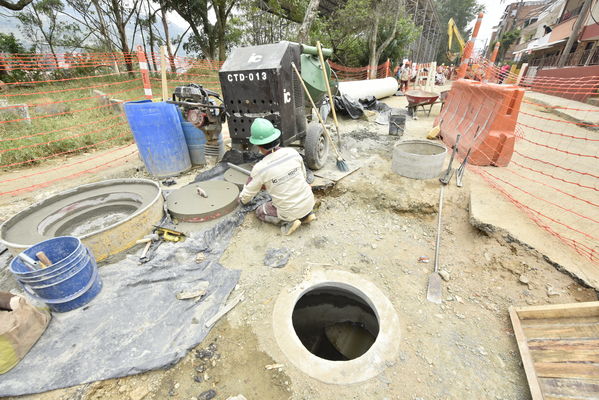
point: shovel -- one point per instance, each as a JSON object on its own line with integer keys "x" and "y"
{"x": 433, "y": 293}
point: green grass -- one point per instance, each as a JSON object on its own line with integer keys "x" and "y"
{"x": 83, "y": 125}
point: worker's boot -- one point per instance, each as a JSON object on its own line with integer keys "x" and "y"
{"x": 309, "y": 218}
{"x": 289, "y": 227}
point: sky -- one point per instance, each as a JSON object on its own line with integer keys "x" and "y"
{"x": 493, "y": 12}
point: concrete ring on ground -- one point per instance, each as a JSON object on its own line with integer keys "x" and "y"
{"x": 108, "y": 216}
{"x": 418, "y": 159}
{"x": 379, "y": 356}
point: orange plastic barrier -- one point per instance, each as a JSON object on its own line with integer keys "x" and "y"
{"x": 485, "y": 115}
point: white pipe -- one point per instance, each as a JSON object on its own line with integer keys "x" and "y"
{"x": 378, "y": 88}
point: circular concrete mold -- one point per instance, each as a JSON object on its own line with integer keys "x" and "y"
{"x": 186, "y": 204}
{"x": 107, "y": 216}
{"x": 236, "y": 177}
{"x": 337, "y": 327}
{"x": 418, "y": 159}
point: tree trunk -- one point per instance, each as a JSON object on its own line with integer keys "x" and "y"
{"x": 373, "y": 60}
{"x": 376, "y": 52}
{"x": 103, "y": 28}
{"x": 303, "y": 35}
{"x": 121, "y": 28}
{"x": 221, "y": 21}
{"x": 169, "y": 48}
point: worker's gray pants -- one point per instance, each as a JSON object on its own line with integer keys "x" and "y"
{"x": 267, "y": 212}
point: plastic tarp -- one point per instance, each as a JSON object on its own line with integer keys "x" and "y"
{"x": 136, "y": 323}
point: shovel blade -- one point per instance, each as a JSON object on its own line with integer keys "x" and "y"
{"x": 433, "y": 292}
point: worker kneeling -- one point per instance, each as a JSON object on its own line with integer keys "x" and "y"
{"x": 283, "y": 174}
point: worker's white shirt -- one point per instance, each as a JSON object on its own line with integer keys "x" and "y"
{"x": 284, "y": 176}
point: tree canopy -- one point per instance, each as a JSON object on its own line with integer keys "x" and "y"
{"x": 462, "y": 12}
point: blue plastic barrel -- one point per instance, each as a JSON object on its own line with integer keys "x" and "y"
{"x": 69, "y": 283}
{"x": 159, "y": 137}
{"x": 196, "y": 140}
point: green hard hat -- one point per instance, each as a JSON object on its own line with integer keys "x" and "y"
{"x": 263, "y": 132}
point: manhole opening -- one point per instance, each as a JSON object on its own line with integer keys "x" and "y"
{"x": 334, "y": 323}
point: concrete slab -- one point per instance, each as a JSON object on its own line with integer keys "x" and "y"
{"x": 574, "y": 110}
{"x": 491, "y": 212}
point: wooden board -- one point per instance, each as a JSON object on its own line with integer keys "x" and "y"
{"x": 559, "y": 346}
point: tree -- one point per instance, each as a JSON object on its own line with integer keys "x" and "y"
{"x": 209, "y": 38}
{"x": 9, "y": 44}
{"x": 18, "y": 6}
{"x": 462, "y": 12}
{"x": 507, "y": 39}
{"x": 309, "y": 16}
{"x": 363, "y": 31}
{"x": 120, "y": 15}
{"x": 43, "y": 19}
{"x": 385, "y": 12}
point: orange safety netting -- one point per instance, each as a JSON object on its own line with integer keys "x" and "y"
{"x": 553, "y": 175}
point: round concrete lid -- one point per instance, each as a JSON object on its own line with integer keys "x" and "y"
{"x": 186, "y": 204}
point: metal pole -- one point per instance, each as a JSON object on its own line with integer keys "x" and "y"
{"x": 574, "y": 34}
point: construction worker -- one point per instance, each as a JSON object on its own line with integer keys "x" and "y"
{"x": 282, "y": 173}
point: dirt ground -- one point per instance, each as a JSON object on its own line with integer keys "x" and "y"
{"x": 375, "y": 224}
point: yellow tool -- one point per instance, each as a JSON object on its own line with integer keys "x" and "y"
{"x": 169, "y": 234}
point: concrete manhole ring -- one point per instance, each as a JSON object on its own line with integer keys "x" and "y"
{"x": 377, "y": 357}
{"x": 108, "y": 216}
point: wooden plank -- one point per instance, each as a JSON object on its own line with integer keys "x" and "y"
{"x": 565, "y": 355}
{"x": 562, "y": 332}
{"x": 578, "y": 321}
{"x": 531, "y": 376}
{"x": 567, "y": 370}
{"x": 549, "y": 397}
{"x": 562, "y": 344}
{"x": 569, "y": 387}
{"x": 588, "y": 309}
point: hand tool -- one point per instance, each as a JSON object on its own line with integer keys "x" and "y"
{"x": 449, "y": 173}
{"x": 238, "y": 168}
{"x": 169, "y": 234}
{"x": 341, "y": 164}
{"x": 331, "y": 100}
{"x": 461, "y": 169}
{"x": 29, "y": 262}
{"x": 44, "y": 260}
{"x": 433, "y": 293}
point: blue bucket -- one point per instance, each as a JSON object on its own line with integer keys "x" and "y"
{"x": 159, "y": 137}
{"x": 69, "y": 283}
{"x": 196, "y": 140}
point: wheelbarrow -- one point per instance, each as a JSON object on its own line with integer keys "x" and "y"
{"x": 420, "y": 98}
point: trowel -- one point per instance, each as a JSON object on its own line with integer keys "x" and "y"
{"x": 433, "y": 293}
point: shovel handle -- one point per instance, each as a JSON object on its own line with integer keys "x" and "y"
{"x": 439, "y": 216}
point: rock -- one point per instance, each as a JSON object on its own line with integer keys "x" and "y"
{"x": 320, "y": 242}
{"x": 551, "y": 291}
{"x": 204, "y": 354}
{"x": 373, "y": 246}
{"x": 201, "y": 368}
{"x": 277, "y": 258}
{"x": 238, "y": 397}
{"x": 524, "y": 279}
{"x": 444, "y": 275}
{"x": 198, "y": 379}
{"x": 138, "y": 393}
{"x": 207, "y": 395}
{"x": 200, "y": 257}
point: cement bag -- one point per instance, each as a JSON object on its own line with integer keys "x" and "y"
{"x": 21, "y": 325}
